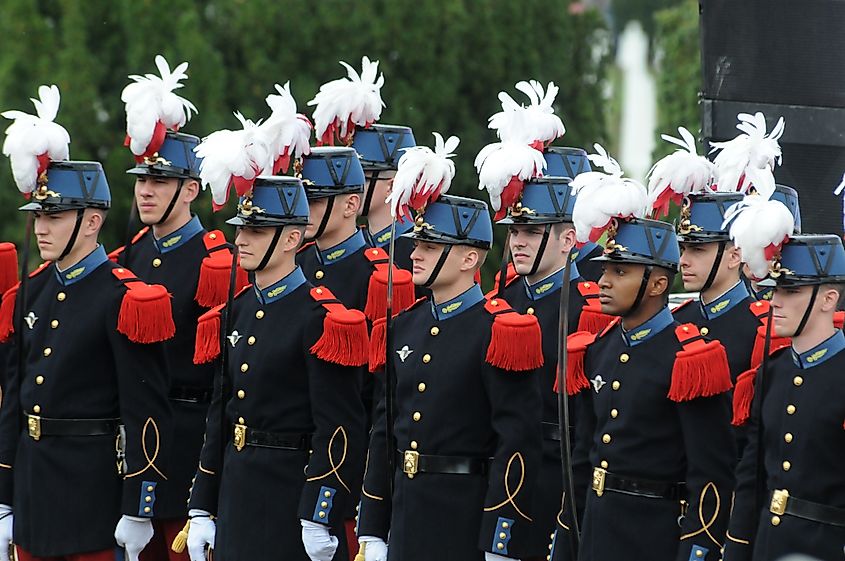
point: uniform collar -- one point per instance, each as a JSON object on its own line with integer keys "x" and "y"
{"x": 580, "y": 253}
{"x": 343, "y": 250}
{"x": 457, "y": 305}
{"x": 820, "y": 353}
{"x": 282, "y": 288}
{"x": 382, "y": 237}
{"x": 83, "y": 268}
{"x": 549, "y": 285}
{"x": 180, "y": 237}
{"x": 658, "y": 322}
{"x": 724, "y": 303}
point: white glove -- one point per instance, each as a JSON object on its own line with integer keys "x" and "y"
{"x": 319, "y": 544}
{"x": 5, "y": 531}
{"x": 495, "y": 557}
{"x": 376, "y": 549}
{"x": 201, "y": 533}
{"x": 133, "y": 534}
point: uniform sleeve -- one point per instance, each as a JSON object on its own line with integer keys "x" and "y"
{"x": 375, "y": 509}
{"x": 146, "y": 417}
{"x": 10, "y": 422}
{"x": 204, "y": 491}
{"x": 515, "y": 414}
{"x": 710, "y": 454}
{"x": 335, "y": 468}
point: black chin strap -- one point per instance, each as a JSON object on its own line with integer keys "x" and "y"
{"x": 172, "y": 204}
{"x": 325, "y": 221}
{"x": 72, "y": 241}
{"x": 542, "y": 249}
{"x": 270, "y": 249}
{"x": 368, "y": 196}
{"x": 440, "y": 262}
{"x": 641, "y": 292}
{"x": 807, "y": 312}
{"x": 714, "y": 269}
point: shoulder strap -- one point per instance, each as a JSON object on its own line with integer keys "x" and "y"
{"x": 700, "y": 369}
{"x": 344, "y": 340}
{"x": 516, "y": 342}
{"x": 145, "y": 312}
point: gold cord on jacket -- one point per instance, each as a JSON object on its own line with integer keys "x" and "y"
{"x": 510, "y": 497}
{"x": 150, "y": 459}
{"x": 335, "y": 467}
{"x": 705, "y": 526}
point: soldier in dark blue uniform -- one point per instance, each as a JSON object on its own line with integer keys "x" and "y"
{"x": 467, "y": 408}
{"x": 175, "y": 250}
{"x": 654, "y": 431}
{"x": 797, "y": 417}
{"x": 89, "y": 378}
{"x": 292, "y": 433}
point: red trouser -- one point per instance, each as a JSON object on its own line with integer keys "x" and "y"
{"x": 159, "y": 547}
{"x": 105, "y": 555}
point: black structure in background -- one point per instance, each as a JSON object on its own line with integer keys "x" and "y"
{"x": 784, "y": 58}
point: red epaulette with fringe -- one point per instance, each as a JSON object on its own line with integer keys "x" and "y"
{"x": 378, "y": 339}
{"x": 838, "y": 320}
{"x": 145, "y": 313}
{"x": 7, "y": 307}
{"x": 8, "y": 266}
{"x": 701, "y": 367}
{"x": 207, "y": 343}
{"x": 115, "y": 254}
{"x": 576, "y": 349}
{"x": 516, "y": 342}
{"x": 591, "y": 318}
{"x": 760, "y": 309}
{"x": 344, "y": 340}
{"x": 403, "y": 286}
{"x": 215, "y": 271}
{"x": 744, "y": 394}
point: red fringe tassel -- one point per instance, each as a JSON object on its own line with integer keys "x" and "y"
{"x": 344, "y": 340}
{"x": 145, "y": 313}
{"x": 515, "y": 342}
{"x": 743, "y": 396}
{"x": 7, "y": 313}
{"x": 207, "y": 344}
{"x": 701, "y": 368}
{"x": 403, "y": 292}
{"x": 378, "y": 345}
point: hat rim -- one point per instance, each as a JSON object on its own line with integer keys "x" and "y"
{"x": 635, "y": 260}
{"x": 445, "y": 239}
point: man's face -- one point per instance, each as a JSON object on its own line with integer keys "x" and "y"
{"x": 53, "y": 231}
{"x": 525, "y": 241}
{"x": 153, "y": 195}
{"x": 697, "y": 260}
{"x": 618, "y": 286}
{"x": 253, "y": 244}
{"x": 424, "y": 258}
{"x": 789, "y": 305}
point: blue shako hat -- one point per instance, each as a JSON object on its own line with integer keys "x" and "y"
{"x": 789, "y": 197}
{"x": 565, "y": 162}
{"x": 643, "y": 241}
{"x": 273, "y": 201}
{"x": 381, "y": 146}
{"x": 175, "y": 158}
{"x": 332, "y": 170}
{"x": 456, "y": 221}
{"x": 808, "y": 260}
{"x": 68, "y": 185}
{"x": 544, "y": 200}
{"x": 702, "y": 217}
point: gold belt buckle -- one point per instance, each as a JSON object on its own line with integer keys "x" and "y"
{"x": 240, "y": 437}
{"x": 599, "y": 475}
{"x": 411, "y": 463}
{"x": 33, "y": 422}
{"x": 779, "y": 499}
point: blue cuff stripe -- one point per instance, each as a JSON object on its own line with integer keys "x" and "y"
{"x": 148, "y": 499}
{"x": 323, "y": 508}
{"x": 502, "y": 536}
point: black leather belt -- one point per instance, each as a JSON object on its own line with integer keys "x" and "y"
{"x": 190, "y": 395}
{"x": 245, "y": 436}
{"x": 604, "y": 481}
{"x": 41, "y": 426}
{"x": 413, "y": 462}
{"x": 782, "y": 503}
{"x": 551, "y": 431}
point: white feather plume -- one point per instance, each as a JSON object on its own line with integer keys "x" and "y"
{"x": 758, "y": 227}
{"x": 33, "y": 141}
{"x": 530, "y": 124}
{"x": 288, "y": 132}
{"x": 233, "y": 157}
{"x": 602, "y": 196}
{"x": 679, "y": 174}
{"x": 423, "y": 175}
{"x": 343, "y": 103}
{"x": 499, "y": 163}
{"x": 750, "y": 158}
{"x": 150, "y": 102}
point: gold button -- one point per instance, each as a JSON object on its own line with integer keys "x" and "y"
{"x": 319, "y": 274}
{"x": 616, "y": 384}
{"x": 614, "y": 413}
{"x": 435, "y": 330}
{"x": 787, "y": 466}
{"x": 623, "y": 358}
{"x": 259, "y": 314}
{"x": 500, "y": 546}
{"x": 798, "y": 380}
{"x": 604, "y": 464}
{"x": 39, "y": 380}
{"x": 414, "y": 445}
{"x": 147, "y": 510}
{"x": 251, "y": 340}
{"x": 775, "y": 520}
{"x": 530, "y": 311}
{"x": 61, "y": 296}
{"x": 148, "y": 499}
{"x": 324, "y": 504}
{"x": 36, "y": 409}
{"x": 426, "y": 358}
{"x": 502, "y": 535}
{"x": 244, "y": 367}
{"x": 686, "y": 329}
{"x": 505, "y": 525}
{"x": 421, "y": 387}
{"x": 321, "y": 514}
{"x": 494, "y": 302}
{"x": 212, "y": 236}
{"x": 48, "y": 351}
{"x": 241, "y": 421}
{"x": 150, "y": 488}
{"x": 241, "y": 394}
{"x": 790, "y": 409}
{"x": 54, "y": 324}
{"x": 417, "y": 415}
{"x": 605, "y": 438}
{"x": 327, "y": 494}
{"x": 319, "y": 291}
{"x": 704, "y": 331}
{"x": 156, "y": 262}
{"x": 788, "y": 437}
{"x": 699, "y": 553}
